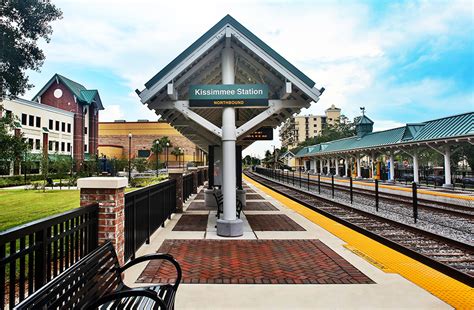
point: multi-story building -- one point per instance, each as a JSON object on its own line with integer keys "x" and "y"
{"x": 117, "y": 138}
{"x": 65, "y": 94}
{"x": 299, "y": 128}
{"x": 46, "y": 129}
{"x": 62, "y": 119}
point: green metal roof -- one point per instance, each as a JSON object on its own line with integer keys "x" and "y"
{"x": 85, "y": 96}
{"x": 452, "y": 126}
{"x": 211, "y": 32}
{"x": 365, "y": 120}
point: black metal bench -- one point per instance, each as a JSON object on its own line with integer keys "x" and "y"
{"x": 220, "y": 204}
{"x": 95, "y": 282}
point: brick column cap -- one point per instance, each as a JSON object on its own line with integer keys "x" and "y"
{"x": 193, "y": 168}
{"x": 176, "y": 171}
{"x": 203, "y": 167}
{"x": 102, "y": 182}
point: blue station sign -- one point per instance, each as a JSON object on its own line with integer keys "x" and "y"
{"x": 236, "y": 95}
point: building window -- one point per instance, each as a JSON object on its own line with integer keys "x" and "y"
{"x": 85, "y": 130}
{"x": 50, "y": 145}
{"x": 38, "y": 122}
{"x": 85, "y": 147}
{"x": 56, "y": 146}
{"x": 30, "y": 143}
{"x": 24, "y": 119}
{"x": 8, "y": 114}
{"x": 57, "y": 125}
{"x": 69, "y": 147}
{"x": 51, "y": 126}
{"x": 143, "y": 153}
{"x": 63, "y": 146}
{"x": 37, "y": 144}
{"x": 63, "y": 127}
{"x": 31, "y": 120}
{"x": 69, "y": 128}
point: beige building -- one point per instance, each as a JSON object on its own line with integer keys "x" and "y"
{"x": 299, "y": 128}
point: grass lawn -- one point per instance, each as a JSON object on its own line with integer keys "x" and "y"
{"x": 18, "y": 206}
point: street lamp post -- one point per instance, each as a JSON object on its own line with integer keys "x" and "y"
{"x": 167, "y": 146}
{"x": 129, "y": 156}
{"x": 156, "y": 154}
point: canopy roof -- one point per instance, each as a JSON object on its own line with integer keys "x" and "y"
{"x": 448, "y": 128}
{"x": 200, "y": 63}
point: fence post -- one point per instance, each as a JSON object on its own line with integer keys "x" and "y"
{"x": 319, "y": 183}
{"x": 350, "y": 186}
{"x": 332, "y": 185}
{"x": 376, "y": 195}
{"x": 415, "y": 202}
{"x": 108, "y": 192}
{"x": 300, "y": 177}
{"x": 194, "y": 172}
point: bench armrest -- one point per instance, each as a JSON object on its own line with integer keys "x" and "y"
{"x": 148, "y": 257}
{"x": 132, "y": 292}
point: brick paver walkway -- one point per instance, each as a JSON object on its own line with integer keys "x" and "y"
{"x": 200, "y": 196}
{"x": 272, "y": 222}
{"x": 259, "y": 206}
{"x": 200, "y": 206}
{"x": 253, "y": 262}
{"x": 191, "y": 222}
{"x": 253, "y": 196}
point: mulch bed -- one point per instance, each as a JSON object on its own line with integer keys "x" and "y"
{"x": 192, "y": 222}
{"x": 272, "y": 222}
{"x": 259, "y": 206}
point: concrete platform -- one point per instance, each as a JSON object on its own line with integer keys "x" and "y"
{"x": 383, "y": 289}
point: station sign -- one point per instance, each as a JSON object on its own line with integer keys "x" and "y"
{"x": 235, "y": 95}
{"x": 263, "y": 133}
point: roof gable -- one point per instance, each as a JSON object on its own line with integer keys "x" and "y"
{"x": 82, "y": 94}
{"x": 229, "y": 20}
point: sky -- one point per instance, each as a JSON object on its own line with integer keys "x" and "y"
{"x": 404, "y": 61}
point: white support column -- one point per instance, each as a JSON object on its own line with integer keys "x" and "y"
{"x": 229, "y": 225}
{"x": 392, "y": 168}
{"x": 359, "y": 174}
{"x": 416, "y": 178}
{"x": 346, "y": 167}
{"x": 329, "y": 166}
{"x": 447, "y": 167}
{"x": 336, "y": 163}
{"x": 372, "y": 165}
{"x": 321, "y": 165}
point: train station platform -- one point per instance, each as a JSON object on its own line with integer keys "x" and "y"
{"x": 462, "y": 197}
{"x": 289, "y": 257}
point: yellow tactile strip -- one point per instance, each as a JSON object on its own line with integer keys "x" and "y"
{"x": 404, "y": 189}
{"x": 453, "y": 292}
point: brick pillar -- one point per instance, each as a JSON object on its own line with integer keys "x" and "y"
{"x": 108, "y": 192}
{"x": 194, "y": 171}
{"x": 177, "y": 174}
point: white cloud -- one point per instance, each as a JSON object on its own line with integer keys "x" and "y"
{"x": 347, "y": 47}
{"x": 111, "y": 113}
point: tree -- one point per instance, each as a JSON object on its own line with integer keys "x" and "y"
{"x": 177, "y": 152}
{"x": 12, "y": 146}
{"x": 139, "y": 164}
{"x": 61, "y": 166}
{"x": 22, "y": 24}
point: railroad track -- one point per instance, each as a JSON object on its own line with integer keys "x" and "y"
{"x": 423, "y": 204}
{"x": 452, "y": 257}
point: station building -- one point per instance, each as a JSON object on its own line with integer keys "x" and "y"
{"x": 62, "y": 119}
{"x": 346, "y": 157}
{"x": 298, "y": 129}
{"x": 116, "y": 138}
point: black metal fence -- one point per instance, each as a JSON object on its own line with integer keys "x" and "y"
{"x": 145, "y": 211}
{"x": 32, "y": 254}
{"x": 187, "y": 186}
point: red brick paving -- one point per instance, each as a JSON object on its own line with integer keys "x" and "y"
{"x": 272, "y": 222}
{"x": 253, "y": 196}
{"x": 192, "y": 222}
{"x": 253, "y": 262}
{"x": 200, "y": 206}
{"x": 259, "y": 206}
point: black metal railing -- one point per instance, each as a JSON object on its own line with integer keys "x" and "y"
{"x": 187, "y": 186}
{"x": 146, "y": 210}
{"x": 32, "y": 254}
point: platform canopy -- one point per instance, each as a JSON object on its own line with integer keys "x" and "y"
{"x": 289, "y": 90}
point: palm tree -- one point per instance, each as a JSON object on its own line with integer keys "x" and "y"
{"x": 177, "y": 152}
{"x": 157, "y": 148}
